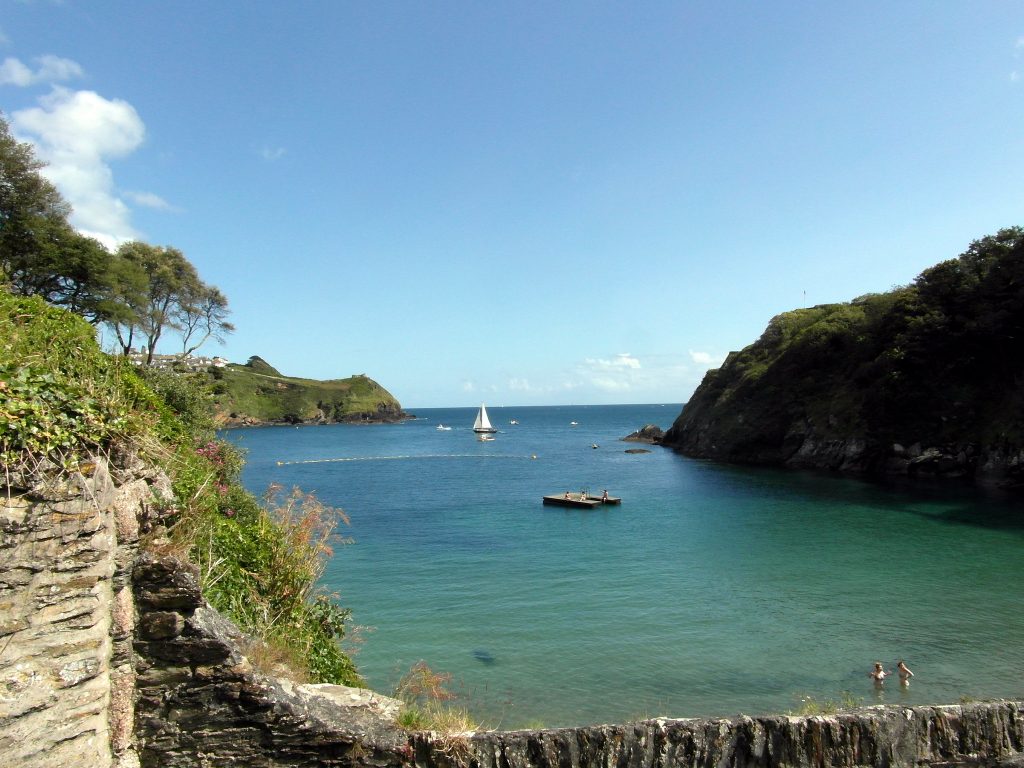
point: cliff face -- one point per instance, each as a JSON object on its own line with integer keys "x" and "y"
{"x": 925, "y": 379}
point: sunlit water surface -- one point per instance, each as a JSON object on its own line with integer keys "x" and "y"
{"x": 712, "y": 590}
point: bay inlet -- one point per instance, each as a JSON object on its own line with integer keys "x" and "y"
{"x": 710, "y": 591}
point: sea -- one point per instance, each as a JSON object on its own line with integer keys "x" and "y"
{"x": 712, "y": 590}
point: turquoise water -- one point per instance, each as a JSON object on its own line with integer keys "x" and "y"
{"x": 712, "y": 590}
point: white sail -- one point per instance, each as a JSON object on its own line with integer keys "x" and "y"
{"x": 482, "y": 423}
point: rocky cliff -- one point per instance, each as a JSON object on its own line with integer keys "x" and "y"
{"x": 923, "y": 380}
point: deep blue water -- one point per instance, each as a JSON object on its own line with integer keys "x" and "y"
{"x": 712, "y": 589}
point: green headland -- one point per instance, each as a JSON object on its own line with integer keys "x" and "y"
{"x": 257, "y": 393}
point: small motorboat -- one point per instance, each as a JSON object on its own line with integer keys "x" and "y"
{"x": 513, "y": 421}
{"x": 443, "y": 428}
{"x": 485, "y": 438}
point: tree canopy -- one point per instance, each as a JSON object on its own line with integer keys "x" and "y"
{"x": 940, "y": 361}
{"x": 139, "y": 291}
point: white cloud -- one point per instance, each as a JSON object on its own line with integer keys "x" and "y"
{"x": 13, "y": 72}
{"x": 519, "y": 385}
{"x": 50, "y": 69}
{"x": 617, "y": 374}
{"x": 77, "y": 133}
{"x": 468, "y": 386}
{"x": 706, "y": 359}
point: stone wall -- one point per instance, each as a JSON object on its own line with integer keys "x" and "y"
{"x": 66, "y": 681}
{"x": 111, "y": 657}
{"x": 201, "y": 702}
{"x": 974, "y": 735}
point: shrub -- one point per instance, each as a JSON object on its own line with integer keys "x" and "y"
{"x": 60, "y": 396}
{"x": 262, "y": 565}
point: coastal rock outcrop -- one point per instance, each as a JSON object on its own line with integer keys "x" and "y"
{"x": 648, "y": 433}
{"x": 922, "y": 381}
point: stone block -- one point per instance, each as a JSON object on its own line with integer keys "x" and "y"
{"x": 128, "y": 506}
{"x": 160, "y": 625}
{"x": 122, "y": 613}
{"x": 167, "y": 583}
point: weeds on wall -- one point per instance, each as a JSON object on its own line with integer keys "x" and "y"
{"x": 428, "y": 704}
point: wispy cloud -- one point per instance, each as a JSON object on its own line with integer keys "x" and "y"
{"x": 620, "y": 377}
{"x": 621, "y": 360}
{"x": 49, "y": 69}
{"x": 1018, "y": 47}
{"x": 150, "y": 200}
{"x": 77, "y": 133}
{"x": 271, "y": 154}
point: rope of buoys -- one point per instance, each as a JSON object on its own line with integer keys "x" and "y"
{"x": 411, "y": 456}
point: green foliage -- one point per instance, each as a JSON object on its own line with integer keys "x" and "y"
{"x": 258, "y": 365}
{"x": 59, "y": 395}
{"x": 62, "y": 399}
{"x": 262, "y": 564}
{"x": 188, "y": 396}
{"x": 139, "y": 291}
{"x": 251, "y": 390}
{"x": 939, "y": 361}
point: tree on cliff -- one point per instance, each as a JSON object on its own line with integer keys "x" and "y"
{"x": 201, "y": 316}
{"x": 160, "y": 290}
{"x": 139, "y": 291}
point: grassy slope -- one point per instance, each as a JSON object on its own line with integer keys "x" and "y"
{"x": 259, "y": 391}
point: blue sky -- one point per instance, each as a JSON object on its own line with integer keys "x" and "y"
{"x": 525, "y": 203}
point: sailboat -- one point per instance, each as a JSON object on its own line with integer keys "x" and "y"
{"x": 482, "y": 423}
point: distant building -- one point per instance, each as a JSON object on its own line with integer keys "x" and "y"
{"x": 188, "y": 362}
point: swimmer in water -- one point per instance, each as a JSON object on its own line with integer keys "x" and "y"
{"x": 905, "y": 673}
{"x": 878, "y": 674}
